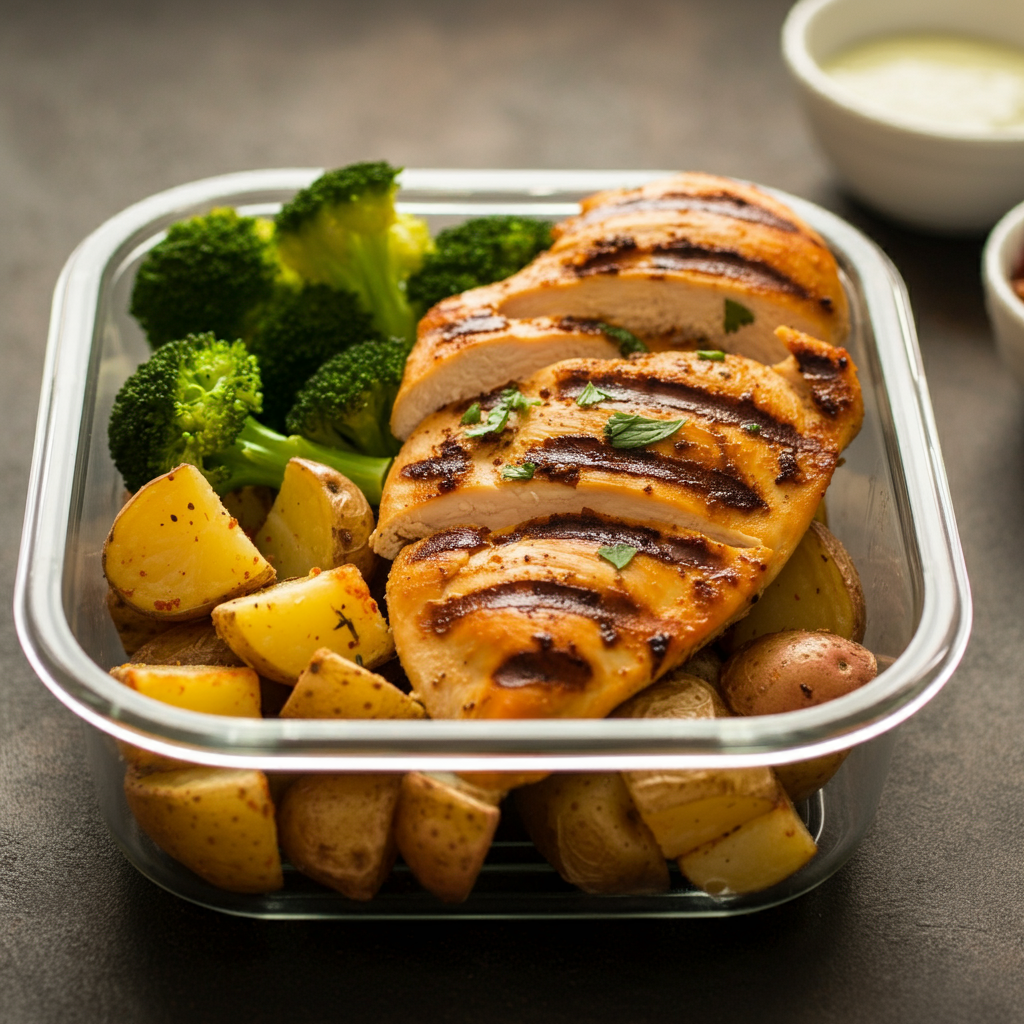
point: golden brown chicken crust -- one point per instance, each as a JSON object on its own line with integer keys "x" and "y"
{"x": 533, "y": 622}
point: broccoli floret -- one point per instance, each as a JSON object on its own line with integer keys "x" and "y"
{"x": 208, "y": 274}
{"x": 297, "y": 333}
{"x": 344, "y": 231}
{"x": 348, "y": 401}
{"x": 478, "y": 252}
{"x": 192, "y": 401}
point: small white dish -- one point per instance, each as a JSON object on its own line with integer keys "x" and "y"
{"x": 954, "y": 180}
{"x": 1003, "y": 256}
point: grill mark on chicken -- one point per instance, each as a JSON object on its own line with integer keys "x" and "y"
{"x": 596, "y": 530}
{"x": 562, "y": 458}
{"x": 649, "y": 390}
{"x": 460, "y": 538}
{"x": 525, "y": 596}
{"x": 826, "y": 377}
{"x": 721, "y": 203}
{"x": 476, "y": 324}
{"x": 544, "y": 668}
{"x": 447, "y": 467}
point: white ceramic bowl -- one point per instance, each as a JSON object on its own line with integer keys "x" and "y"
{"x": 956, "y": 180}
{"x": 1004, "y": 254}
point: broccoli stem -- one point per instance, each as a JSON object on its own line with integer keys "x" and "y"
{"x": 259, "y": 455}
{"x": 392, "y": 312}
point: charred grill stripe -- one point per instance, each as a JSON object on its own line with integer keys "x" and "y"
{"x": 607, "y": 609}
{"x": 450, "y": 464}
{"x": 544, "y": 668}
{"x": 649, "y": 390}
{"x": 721, "y": 203}
{"x": 460, "y": 538}
{"x": 477, "y": 324}
{"x": 562, "y": 458}
{"x": 826, "y": 377}
{"x": 587, "y": 526}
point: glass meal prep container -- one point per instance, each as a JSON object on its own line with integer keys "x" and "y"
{"x": 888, "y": 504}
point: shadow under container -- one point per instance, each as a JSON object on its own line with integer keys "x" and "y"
{"x": 888, "y": 503}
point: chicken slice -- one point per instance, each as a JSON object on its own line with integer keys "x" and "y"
{"x": 682, "y": 274}
{"x": 465, "y": 347}
{"x": 751, "y": 458}
{"x": 533, "y": 622}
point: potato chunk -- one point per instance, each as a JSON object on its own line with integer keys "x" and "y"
{"x": 818, "y": 588}
{"x": 444, "y": 828}
{"x": 212, "y": 689}
{"x": 334, "y": 687}
{"x": 134, "y": 629}
{"x": 338, "y": 830}
{"x": 687, "y": 807}
{"x": 586, "y": 826}
{"x": 278, "y": 630}
{"x": 758, "y": 855}
{"x": 187, "y": 643}
{"x": 218, "y": 822}
{"x": 175, "y": 553}
{"x": 320, "y": 519}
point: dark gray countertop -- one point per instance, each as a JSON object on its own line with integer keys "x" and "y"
{"x": 102, "y": 103}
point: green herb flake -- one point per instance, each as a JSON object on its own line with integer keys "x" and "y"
{"x": 752, "y": 428}
{"x": 591, "y": 396}
{"x": 620, "y": 555}
{"x": 736, "y": 316}
{"x": 623, "y": 430}
{"x": 511, "y": 400}
{"x": 523, "y": 471}
{"x": 471, "y": 415}
{"x": 712, "y": 355}
{"x": 627, "y": 341}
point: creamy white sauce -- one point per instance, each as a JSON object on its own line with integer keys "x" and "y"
{"x": 942, "y": 82}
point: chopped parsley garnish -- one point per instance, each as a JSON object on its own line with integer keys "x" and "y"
{"x": 591, "y": 396}
{"x": 623, "y": 430}
{"x": 736, "y": 316}
{"x": 752, "y": 428}
{"x": 524, "y": 471}
{"x": 471, "y": 415}
{"x": 511, "y": 400}
{"x": 712, "y": 355}
{"x": 627, "y": 341}
{"x": 620, "y": 555}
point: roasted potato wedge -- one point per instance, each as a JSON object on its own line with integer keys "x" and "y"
{"x": 174, "y": 552}
{"x": 444, "y": 828}
{"x": 818, "y": 588}
{"x": 586, "y": 826}
{"x": 338, "y": 830}
{"x": 792, "y": 670}
{"x": 320, "y": 519}
{"x": 334, "y": 687}
{"x": 212, "y": 689}
{"x": 687, "y": 807}
{"x": 218, "y": 822}
{"x": 187, "y": 643}
{"x": 135, "y": 629}
{"x": 278, "y": 630}
{"x": 757, "y": 855}
{"x": 250, "y": 505}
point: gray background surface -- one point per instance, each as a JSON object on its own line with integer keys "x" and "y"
{"x": 102, "y": 103}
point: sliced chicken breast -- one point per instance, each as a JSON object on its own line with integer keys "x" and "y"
{"x": 750, "y": 460}
{"x": 465, "y": 347}
{"x": 533, "y": 622}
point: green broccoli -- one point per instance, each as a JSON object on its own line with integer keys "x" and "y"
{"x": 192, "y": 401}
{"x": 348, "y": 401}
{"x": 344, "y": 231}
{"x": 208, "y": 274}
{"x": 478, "y": 252}
{"x": 297, "y": 333}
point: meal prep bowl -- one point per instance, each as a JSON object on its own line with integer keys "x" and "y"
{"x": 1003, "y": 257}
{"x": 953, "y": 180}
{"x": 888, "y": 504}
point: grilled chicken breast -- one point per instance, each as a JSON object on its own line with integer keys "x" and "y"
{"x": 465, "y": 347}
{"x": 750, "y": 461}
{"x": 532, "y": 622}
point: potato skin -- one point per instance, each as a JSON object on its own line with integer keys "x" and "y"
{"x": 792, "y": 670}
